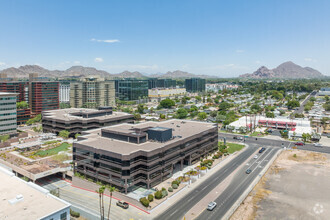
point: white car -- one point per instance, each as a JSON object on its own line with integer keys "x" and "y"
{"x": 317, "y": 145}
{"x": 211, "y": 206}
{"x": 255, "y": 156}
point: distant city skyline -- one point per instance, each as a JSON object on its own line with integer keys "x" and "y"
{"x": 221, "y": 38}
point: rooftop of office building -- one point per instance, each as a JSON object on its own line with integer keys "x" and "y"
{"x": 25, "y": 200}
{"x": 8, "y": 94}
{"x": 121, "y": 139}
{"x": 83, "y": 114}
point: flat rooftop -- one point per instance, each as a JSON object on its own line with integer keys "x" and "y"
{"x": 25, "y": 200}
{"x": 8, "y": 94}
{"x": 69, "y": 114}
{"x": 181, "y": 129}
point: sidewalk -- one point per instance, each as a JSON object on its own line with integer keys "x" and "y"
{"x": 177, "y": 197}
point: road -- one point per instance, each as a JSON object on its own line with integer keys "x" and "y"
{"x": 276, "y": 143}
{"x": 238, "y": 185}
{"x": 88, "y": 201}
{"x": 177, "y": 210}
{"x": 302, "y": 105}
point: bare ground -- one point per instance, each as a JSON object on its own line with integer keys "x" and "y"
{"x": 297, "y": 186}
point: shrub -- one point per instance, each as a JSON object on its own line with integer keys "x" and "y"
{"x": 175, "y": 182}
{"x": 158, "y": 195}
{"x": 170, "y": 189}
{"x": 144, "y": 202}
{"x": 150, "y": 197}
{"x": 295, "y": 155}
{"x": 175, "y": 186}
{"x": 203, "y": 168}
{"x": 164, "y": 193}
{"x": 74, "y": 214}
{"x": 163, "y": 189}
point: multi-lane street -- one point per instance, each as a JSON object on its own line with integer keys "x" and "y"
{"x": 275, "y": 143}
{"x": 178, "y": 210}
{"x": 238, "y": 185}
{"x": 302, "y": 105}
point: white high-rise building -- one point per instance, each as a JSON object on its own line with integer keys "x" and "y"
{"x": 65, "y": 93}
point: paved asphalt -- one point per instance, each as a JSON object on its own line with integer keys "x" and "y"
{"x": 301, "y": 108}
{"x": 181, "y": 207}
{"x": 239, "y": 184}
{"x": 276, "y": 143}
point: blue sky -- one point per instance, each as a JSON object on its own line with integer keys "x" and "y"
{"x": 223, "y": 38}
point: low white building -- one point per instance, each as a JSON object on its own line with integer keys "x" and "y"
{"x": 25, "y": 200}
{"x": 295, "y": 127}
{"x": 158, "y": 94}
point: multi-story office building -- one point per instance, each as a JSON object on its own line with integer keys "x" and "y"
{"x": 20, "y": 87}
{"x": 195, "y": 85}
{"x": 23, "y": 115}
{"x": 127, "y": 156}
{"x": 92, "y": 93}
{"x": 161, "y": 83}
{"x": 8, "y": 114}
{"x": 131, "y": 89}
{"x": 64, "y": 92}
{"x": 158, "y": 94}
{"x": 43, "y": 94}
{"x": 26, "y": 200}
{"x": 77, "y": 120}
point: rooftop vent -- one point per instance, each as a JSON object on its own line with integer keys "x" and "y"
{"x": 17, "y": 199}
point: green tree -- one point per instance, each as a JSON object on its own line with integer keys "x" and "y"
{"x": 22, "y": 105}
{"x": 34, "y": 120}
{"x": 137, "y": 116}
{"x": 223, "y": 106}
{"x": 293, "y": 104}
{"x": 214, "y": 114}
{"x": 140, "y": 108}
{"x": 270, "y": 115}
{"x": 198, "y": 98}
{"x": 202, "y": 116}
{"x": 326, "y": 97}
{"x": 181, "y": 113}
{"x": 100, "y": 191}
{"x": 64, "y": 134}
{"x": 162, "y": 116}
{"x": 76, "y": 135}
{"x": 167, "y": 103}
{"x": 111, "y": 189}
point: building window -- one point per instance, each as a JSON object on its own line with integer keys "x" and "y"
{"x": 63, "y": 216}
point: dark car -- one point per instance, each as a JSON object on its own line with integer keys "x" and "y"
{"x": 262, "y": 150}
{"x": 124, "y": 205}
{"x": 235, "y": 137}
{"x": 248, "y": 171}
{"x": 299, "y": 143}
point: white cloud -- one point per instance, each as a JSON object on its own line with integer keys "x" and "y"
{"x": 76, "y": 62}
{"x": 258, "y": 61}
{"x": 239, "y": 51}
{"x": 98, "y": 60}
{"x": 105, "y": 41}
{"x": 308, "y": 59}
{"x": 2, "y": 64}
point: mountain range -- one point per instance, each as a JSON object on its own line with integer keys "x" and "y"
{"x": 81, "y": 71}
{"x": 287, "y": 70}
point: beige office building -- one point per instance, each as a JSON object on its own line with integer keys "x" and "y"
{"x": 92, "y": 93}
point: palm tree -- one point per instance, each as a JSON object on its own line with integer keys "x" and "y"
{"x": 100, "y": 191}
{"x": 111, "y": 190}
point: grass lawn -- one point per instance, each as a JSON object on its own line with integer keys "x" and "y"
{"x": 53, "y": 151}
{"x": 232, "y": 147}
{"x": 256, "y": 134}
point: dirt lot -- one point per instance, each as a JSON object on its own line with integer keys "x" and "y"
{"x": 297, "y": 186}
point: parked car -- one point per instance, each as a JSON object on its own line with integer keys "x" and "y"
{"x": 211, "y": 206}
{"x": 255, "y": 156}
{"x": 317, "y": 145}
{"x": 240, "y": 138}
{"x": 299, "y": 143}
{"x": 248, "y": 171}
{"x": 124, "y": 205}
{"x": 235, "y": 137}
